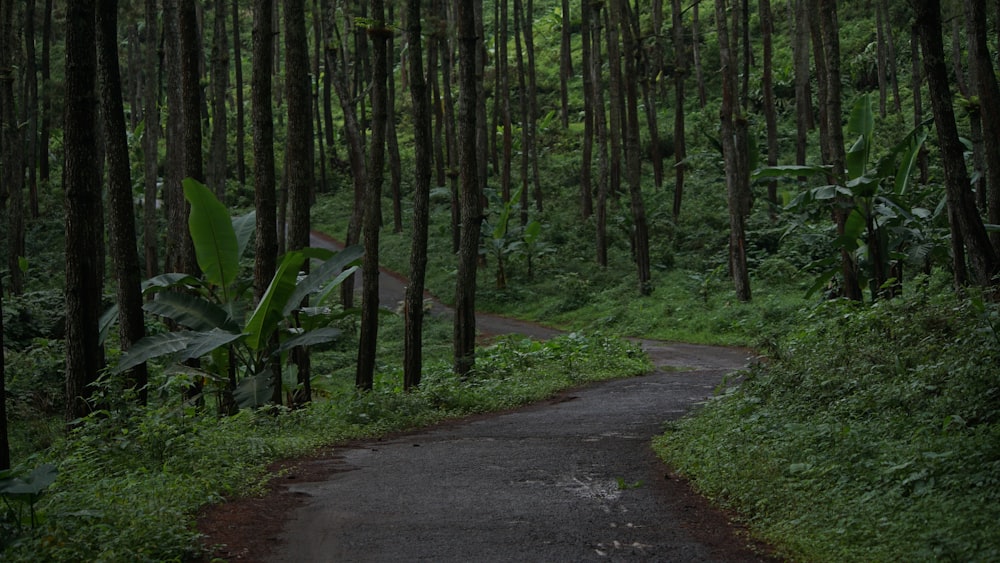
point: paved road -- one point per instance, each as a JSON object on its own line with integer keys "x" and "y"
{"x": 573, "y": 479}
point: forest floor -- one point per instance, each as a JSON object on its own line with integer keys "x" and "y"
{"x": 573, "y": 478}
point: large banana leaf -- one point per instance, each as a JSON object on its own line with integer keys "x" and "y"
{"x": 203, "y": 343}
{"x": 190, "y": 311}
{"x": 268, "y": 313}
{"x": 254, "y": 391}
{"x": 244, "y": 226}
{"x": 320, "y": 275}
{"x": 311, "y": 338}
{"x": 151, "y": 347}
{"x": 215, "y": 243}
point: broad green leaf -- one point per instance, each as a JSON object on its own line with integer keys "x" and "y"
{"x": 203, "y": 343}
{"x": 862, "y": 119}
{"x": 268, "y": 313}
{"x": 335, "y": 284}
{"x": 909, "y": 162}
{"x": 164, "y": 281}
{"x": 215, "y": 244}
{"x": 32, "y": 484}
{"x": 857, "y": 158}
{"x": 151, "y": 347}
{"x": 106, "y": 321}
{"x": 191, "y": 311}
{"x": 244, "y": 226}
{"x": 313, "y": 337}
{"x": 320, "y": 275}
{"x": 254, "y": 391}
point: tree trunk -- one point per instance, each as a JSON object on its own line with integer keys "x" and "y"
{"x": 173, "y": 196}
{"x": 413, "y": 309}
{"x": 986, "y": 86}
{"x": 601, "y": 132}
{"x": 527, "y": 22}
{"x": 46, "y": 96}
{"x": 565, "y": 64}
{"x": 916, "y": 77}
{"x": 981, "y": 254}
{"x": 150, "y": 142}
{"x": 241, "y": 165}
{"x": 830, "y": 32}
{"x": 803, "y": 91}
{"x": 696, "y": 55}
{"x": 299, "y": 153}
{"x": 4, "y": 435}
{"x": 587, "y": 157}
{"x": 737, "y": 186}
{"x": 468, "y": 156}
{"x": 265, "y": 199}
{"x": 30, "y": 108}
{"x": 633, "y": 151}
{"x": 767, "y": 84}
{"x": 84, "y": 210}
{"x": 680, "y": 74}
{"x": 217, "y": 163}
{"x": 121, "y": 217}
{"x": 881, "y": 55}
{"x": 12, "y": 143}
{"x": 373, "y": 199}
{"x": 525, "y": 118}
{"x": 616, "y": 102}
{"x": 392, "y": 139}
{"x": 503, "y": 68}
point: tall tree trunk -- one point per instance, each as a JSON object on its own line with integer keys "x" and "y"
{"x": 737, "y": 186}
{"x": 524, "y": 116}
{"x": 84, "y": 210}
{"x": 989, "y": 104}
{"x": 218, "y": 162}
{"x": 527, "y": 22}
{"x": 192, "y": 95}
{"x": 633, "y": 151}
{"x": 830, "y": 31}
{"x": 173, "y": 196}
{"x": 420, "y": 101}
{"x": 373, "y": 199}
{"x": 881, "y": 56}
{"x": 803, "y": 91}
{"x": 565, "y": 63}
{"x": 265, "y": 199}
{"x": 981, "y": 254}
{"x": 30, "y": 107}
{"x": 680, "y": 74}
{"x": 318, "y": 73}
{"x": 601, "y": 132}
{"x": 4, "y": 434}
{"x": 121, "y": 217}
{"x": 616, "y": 102}
{"x": 767, "y": 84}
{"x": 696, "y": 55}
{"x": 468, "y": 156}
{"x": 241, "y": 166}
{"x": 587, "y": 157}
{"x": 392, "y": 139}
{"x": 12, "y": 143}
{"x": 150, "y": 141}
{"x": 299, "y": 151}
{"x": 505, "y": 113}
{"x": 916, "y": 77}
{"x": 46, "y": 95}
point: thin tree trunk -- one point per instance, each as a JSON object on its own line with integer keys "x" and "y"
{"x": 217, "y": 170}
{"x": 121, "y": 217}
{"x": 265, "y": 198}
{"x": 414, "y": 303}
{"x": 468, "y": 156}
{"x": 890, "y": 45}
{"x": 12, "y": 143}
{"x": 46, "y": 96}
{"x": 4, "y": 435}
{"x": 767, "y": 84}
{"x": 981, "y": 254}
{"x": 241, "y": 166}
{"x": 916, "y": 77}
{"x": 392, "y": 139}
{"x": 565, "y": 64}
{"x": 505, "y": 113}
{"x": 633, "y": 151}
{"x": 985, "y": 84}
{"x": 881, "y": 57}
{"x": 587, "y": 158}
{"x": 680, "y": 74}
{"x": 192, "y": 92}
{"x": 600, "y": 131}
{"x": 696, "y": 55}
{"x": 30, "y": 107}
{"x": 525, "y": 118}
{"x": 173, "y": 196}
{"x": 736, "y": 185}
{"x": 373, "y": 199}
{"x": 84, "y": 210}
{"x": 299, "y": 152}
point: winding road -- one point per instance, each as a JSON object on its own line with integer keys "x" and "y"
{"x": 570, "y": 479}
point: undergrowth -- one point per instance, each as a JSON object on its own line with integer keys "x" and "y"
{"x": 873, "y": 434}
{"x": 130, "y": 480}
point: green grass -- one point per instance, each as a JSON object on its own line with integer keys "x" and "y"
{"x": 872, "y": 435}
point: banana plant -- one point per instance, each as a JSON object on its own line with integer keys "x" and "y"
{"x": 217, "y": 319}
{"x": 884, "y": 217}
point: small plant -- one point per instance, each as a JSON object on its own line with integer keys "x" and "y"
{"x": 20, "y": 493}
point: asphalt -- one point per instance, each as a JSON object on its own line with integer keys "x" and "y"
{"x": 571, "y": 479}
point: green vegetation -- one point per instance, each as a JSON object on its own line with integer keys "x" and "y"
{"x": 130, "y": 480}
{"x": 872, "y": 434}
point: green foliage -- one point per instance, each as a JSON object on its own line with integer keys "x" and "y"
{"x": 131, "y": 479}
{"x": 872, "y": 434}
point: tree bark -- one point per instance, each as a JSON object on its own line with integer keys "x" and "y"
{"x": 218, "y": 162}
{"x": 373, "y": 199}
{"x": 121, "y": 217}
{"x": 46, "y": 96}
{"x": 471, "y": 192}
{"x": 680, "y": 74}
{"x": 565, "y": 64}
{"x": 989, "y": 104}
{"x": 601, "y": 132}
{"x": 414, "y": 304}
{"x": 830, "y": 32}
{"x": 241, "y": 166}
{"x": 589, "y": 109}
{"x": 4, "y": 435}
{"x": 981, "y": 254}
{"x": 265, "y": 199}
{"x": 767, "y": 84}
{"x": 696, "y": 55}
{"x": 299, "y": 152}
{"x": 150, "y": 141}
{"x": 12, "y": 143}
{"x": 392, "y": 139}
{"x": 84, "y": 210}
{"x": 173, "y": 196}
{"x": 29, "y": 105}
{"x": 633, "y": 151}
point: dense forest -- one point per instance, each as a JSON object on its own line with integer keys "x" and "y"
{"x": 816, "y": 180}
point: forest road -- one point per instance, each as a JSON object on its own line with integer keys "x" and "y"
{"x": 570, "y": 479}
